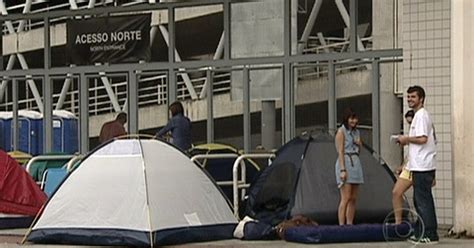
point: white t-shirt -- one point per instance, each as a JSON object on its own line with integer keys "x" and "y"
{"x": 422, "y": 157}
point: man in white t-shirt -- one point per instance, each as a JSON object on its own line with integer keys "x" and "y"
{"x": 422, "y": 164}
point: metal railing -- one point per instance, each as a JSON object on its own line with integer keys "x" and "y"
{"x": 45, "y": 158}
{"x": 74, "y": 160}
{"x": 237, "y": 183}
{"x": 31, "y": 162}
{"x": 242, "y": 183}
{"x": 32, "y": 24}
{"x": 152, "y": 89}
{"x": 197, "y": 158}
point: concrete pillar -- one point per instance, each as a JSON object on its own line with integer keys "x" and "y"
{"x": 383, "y": 31}
{"x": 257, "y": 30}
{"x": 462, "y": 135}
{"x": 268, "y": 124}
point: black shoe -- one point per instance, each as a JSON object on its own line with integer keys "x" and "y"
{"x": 423, "y": 240}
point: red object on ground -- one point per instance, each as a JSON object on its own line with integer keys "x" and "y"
{"x": 19, "y": 194}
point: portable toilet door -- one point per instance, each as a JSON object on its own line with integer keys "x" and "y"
{"x": 31, "y": 132}
{"x": 5, "y": 130}
{"x": 58, "y": 135}
{"x": 2, "y": 136}
{"x": 71, "y": 137}
{"x": 65, "y": 132}
{"x": 24, "y": 128}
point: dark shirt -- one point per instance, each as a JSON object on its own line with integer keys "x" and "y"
{"x": 111, "y": 130}
{"x": 180, "y": 128}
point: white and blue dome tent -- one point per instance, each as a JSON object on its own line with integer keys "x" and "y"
{"x": 133, "y": 192}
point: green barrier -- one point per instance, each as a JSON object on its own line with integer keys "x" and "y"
{"x": 39, "y": 164}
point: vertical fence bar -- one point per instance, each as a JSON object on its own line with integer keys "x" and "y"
{"x": 15, "y": 124}
{"x": 354, "y": 16}
{"x": 47, "y": 92}
{"x": 210, "y": 106}
{"x": 288, "y": 83}
{"x": 332, "y": 102}
{"x": 172, "y": 94}
{"x": 376, "y": 105}
{"x": 171, "y": 87}
{"x": 84, "y": 113}
{"x": 132, "y": 102}
{"x": 171, "y": 35}
{"x": 1, "y": 47}
{"x": 47, "y": 114}
{"x": 288, "y": 103}
{"x": 246, "y": 109}
{"x": 227, "y": 31}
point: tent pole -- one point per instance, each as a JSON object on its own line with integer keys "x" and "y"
{"x": 147, "y": 195}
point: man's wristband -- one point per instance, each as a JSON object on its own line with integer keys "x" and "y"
{"x": 342, "y": 170}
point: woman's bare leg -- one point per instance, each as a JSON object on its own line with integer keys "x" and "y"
{"x": 401, "y": 186}
{"x": 352, "y": 203}
{"x": 345, "y": 193}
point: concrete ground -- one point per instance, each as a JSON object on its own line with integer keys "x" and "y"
{"x": 12, "y": 238}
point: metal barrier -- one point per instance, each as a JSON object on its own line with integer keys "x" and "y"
{"x": 242, "y": 184}
{"x": 152, "y": 89}
{"x": 215, "y": 156}
{"x": 68, "y": 166}
{"x": 72, "y": 162}
{"x": 46, "y": 157}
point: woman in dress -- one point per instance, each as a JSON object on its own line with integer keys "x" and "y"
{"x": 349, "y": 173}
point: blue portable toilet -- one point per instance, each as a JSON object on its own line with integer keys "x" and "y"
{"x": 65, "y": 132}
{"x": 29, "y": 124}
{"x": 31, "y": 132}
{"x": 5, "y": 130}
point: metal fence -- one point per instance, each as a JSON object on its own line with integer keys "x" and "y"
{"x": 152, "y": 89}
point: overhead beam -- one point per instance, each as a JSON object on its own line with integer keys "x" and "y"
{"x": 303, "y": 58}
{"x": 118, "y": 9}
